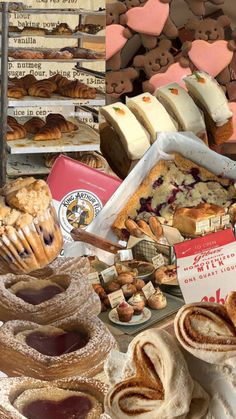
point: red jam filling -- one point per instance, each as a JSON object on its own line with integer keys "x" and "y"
{"x": 75, "y": 407}
{"x": 38, "y": 296}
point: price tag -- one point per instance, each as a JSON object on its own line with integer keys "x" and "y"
{"x": 116, "y": 298}
{"x": 225, "y": 220}
{"x": 93, "y": 277}
{"x": 109, "y": 274}
{"x": 202, "y": 226}
{"x": 148, "y": 290}
{"x": 215, "y": 223}
{"x": 158, "y": 261}
{"x": 125, "y": 255}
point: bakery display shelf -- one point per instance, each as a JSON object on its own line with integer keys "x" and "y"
{"x": 26, "y": 165}
{"x": 82, "y": 12}
{"x": 46, "y": 60}
{"x": 85, "y": 139}
{"x": 56, "y": 100}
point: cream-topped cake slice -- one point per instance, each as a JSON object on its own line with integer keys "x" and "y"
{"x": 151, "y": 114}
{"x": 181, "y": 106}
{"x": 210, "y": 95}
{"x": 134, "y": 138}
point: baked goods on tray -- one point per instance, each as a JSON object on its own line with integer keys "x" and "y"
{"x": 16, "y": 131}
{"x": 27, "y": 398}
{"x": 206, "y": 331}
{"x": 34, "y": 124}
{"x": 151, "y": 114}
{"x": 48, "y": 298}
{"x": 210, "y": 97}
{"x": 70, "y": 347}
{"x": 147, "y": 382}
{"x": 172, "y": 184}
{"x": 30, "y": 235}
{"x": 182, "y": 108}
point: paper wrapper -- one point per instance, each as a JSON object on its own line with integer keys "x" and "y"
{"x": 184, "y": 143}
{"x": 33, "y": 246}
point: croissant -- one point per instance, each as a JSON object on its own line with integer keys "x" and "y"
{"x": 78, "y": 90}
{"x": 28, "y": 80}
{"x": 58, "y": 55}
{"x": 26, "y": 55}
{"x": 42, "y": 88}
{"x": 60, "y": 122}
{"x": 34, "y": 124}
{"x": 48, "y": 132}
{"x": 16, "y": 92}
{"x": 18, "y": 133}
{"x": 83, "y": 53}
{"x": 11, "y": 121}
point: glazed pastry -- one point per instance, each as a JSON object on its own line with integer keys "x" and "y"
{"x": 139, "y": 284}
{"x": 146, "y": 382}
{"x": 125, "y": 278}
{"x": 33, "y": 31}
{"x": 48, "y": 132}
{"x": 157, "y": 301}
{"x": 210, "y": 97}
{"x": 92, "y": 159}
{"x": 30, "y": 235}
{"x": 66, "y": 348}
{"x": 85, "y": 53}
{"x": 173, "y": 183}
{"x": 26, "y": 55}
{"x": 89, "y": 28}
{"x": 78, "y": 90}
{"x": 58, "y": 55}
{"x": 187, "y": 220}
{"x": 34, "y": 124}
{"x": 61, "y": 399}
{"x": 137, "y": 303}
{"x": 166, "y": 275}
{"x": 112, "y": 286}
{"x": 49, "y": 298}
{"x": 60, "y": 122}
{"x": 61, "y": 29}
{"x": 125, "y": 312}
{"x": 207, "y": 332}
{"x": 128, "y": 290}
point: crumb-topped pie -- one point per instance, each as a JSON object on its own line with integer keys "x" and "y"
{"x": 30, "y": 235}
{"x": 172, "y": 184}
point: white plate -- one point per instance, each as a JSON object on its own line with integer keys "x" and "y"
{"x": 141, "y": 318}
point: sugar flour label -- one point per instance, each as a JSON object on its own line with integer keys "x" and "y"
{"x": 78, "y": 209}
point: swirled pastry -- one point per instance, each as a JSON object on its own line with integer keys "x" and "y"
{"x": 66, "y": 348}
{"x": 207, "y": 332}
{"x": 153, "y": 381}
{"x": 27, "y": 398}
{"x": 50, "y": 297}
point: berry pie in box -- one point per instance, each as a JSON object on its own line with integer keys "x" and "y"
{"x": 80, "y": 194}
{"x": 30, "y": 235}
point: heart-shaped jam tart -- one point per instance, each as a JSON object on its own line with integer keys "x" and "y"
{"x": 38, "y": 296}
{"x": 57, "y": 344}
{"x": 75, "y": 407}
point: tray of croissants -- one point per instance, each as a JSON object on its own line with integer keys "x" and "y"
{"x": 66, "y": 53}
{"x": 61, "y": 29}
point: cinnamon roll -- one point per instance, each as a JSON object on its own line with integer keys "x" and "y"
{"x": 207, "y": 332}
{"x": 66, "y": 348}
{"x": 27, "y": 398}
{"x": 148, "y": 381}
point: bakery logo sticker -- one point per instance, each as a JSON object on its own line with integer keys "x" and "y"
{"x": 78, "y": 209}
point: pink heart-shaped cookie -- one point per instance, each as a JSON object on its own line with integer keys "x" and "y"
{"x": 115, "y": 40}
{"x": 174, "y": 73}
{"x": 211, "y": 58}
{"x": 149, "y": 19}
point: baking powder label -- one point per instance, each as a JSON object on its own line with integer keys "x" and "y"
{"x": 206, "y": 267}
{"x": 78, "y": 209}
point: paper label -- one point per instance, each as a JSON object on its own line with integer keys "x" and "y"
{"x": 158, "y": 261}
{"x": 225, "y": 220}
{"x": 215, "y": 223}
{"x": 148, "y": 290}
{"x": 206, "y": 267}
{"x": 109, "y": 274}
{"x": 125, "y": 255}
{"x": 93, "y": 277}
{"x": 116, "y": 298}
{"x": 202, "y": 226}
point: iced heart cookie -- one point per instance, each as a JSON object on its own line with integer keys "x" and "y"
{"x": 116, "y": 38}
{"x": 175, "y": 73}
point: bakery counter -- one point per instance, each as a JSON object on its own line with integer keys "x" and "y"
{"x": 56, "y": 100}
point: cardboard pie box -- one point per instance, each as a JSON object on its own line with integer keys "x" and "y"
{"x": 79, "y": 193}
